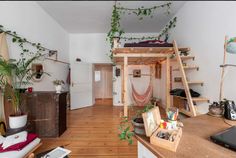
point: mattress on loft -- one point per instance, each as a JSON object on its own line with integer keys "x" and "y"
{"x": 21, "y": 153}
{"x": 149, "y": 43}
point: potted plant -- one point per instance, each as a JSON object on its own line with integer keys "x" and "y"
{"x": 137, "y": 122}
{"x": 58, "y": 85}
{"x": 14, "y": 75}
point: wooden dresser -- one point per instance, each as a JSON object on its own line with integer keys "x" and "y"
{"x": 46, "y": 112}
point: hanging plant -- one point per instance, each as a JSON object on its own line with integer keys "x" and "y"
{"x": 21, "y": 42}
{"x": 141, "y": 12}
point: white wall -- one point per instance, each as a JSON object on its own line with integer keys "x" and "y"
{"x": 202, "y": 26}
{"x": 29, "y": 20}
{"x": 93, "y": 48}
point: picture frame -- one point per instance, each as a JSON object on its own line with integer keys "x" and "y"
{"x": 137, "y": 73}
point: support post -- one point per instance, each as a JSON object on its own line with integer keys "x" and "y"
{"x": 125, "y": 73}
{"x": 167, "y": 82}
{"x": 223, "y": 72}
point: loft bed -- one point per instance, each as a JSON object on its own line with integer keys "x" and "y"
{"x": 143, "y": 56}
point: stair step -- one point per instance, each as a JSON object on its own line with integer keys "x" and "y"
{"x": 188, "y": 113}
{"x": 189, "y": 57}
{"x": 195, "y": 82}
{"x": 195, "y": 99}
{"x": 188, "y": 68}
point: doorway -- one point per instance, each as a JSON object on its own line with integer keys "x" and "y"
{"x": 103, "y": 84}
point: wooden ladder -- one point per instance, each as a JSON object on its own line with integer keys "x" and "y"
{"x": 186, "y": 84}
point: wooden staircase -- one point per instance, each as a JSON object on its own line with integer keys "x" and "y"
{"x": 191, "y": 101}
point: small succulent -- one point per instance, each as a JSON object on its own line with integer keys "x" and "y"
{"x": 58, "y": 82}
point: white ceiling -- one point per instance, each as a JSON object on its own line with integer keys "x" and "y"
{"x": 94, "y": 16}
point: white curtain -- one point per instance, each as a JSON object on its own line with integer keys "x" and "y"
{"x": 4, "y": 53}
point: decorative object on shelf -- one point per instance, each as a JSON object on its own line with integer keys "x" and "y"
{"x": 126, "y": 132}
{"x": 137, "y": 73}
{"x": 58, "y": 85}
{"x": 30, "y": 89}
{"x": 38, "y": 70}
{"x": 141, "y": 12}
{"x": 231, "y": 45}
{"x": 178, "y": 79}
{"x": 15, "y": 74}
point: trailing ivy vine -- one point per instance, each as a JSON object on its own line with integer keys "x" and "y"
{"x": 117, "y": 31}
{"x": 21, "y": 42}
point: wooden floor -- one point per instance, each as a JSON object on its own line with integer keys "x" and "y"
{"x": 92, "y": 133}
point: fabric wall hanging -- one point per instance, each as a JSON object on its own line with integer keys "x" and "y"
{"x": 158, "y": 70}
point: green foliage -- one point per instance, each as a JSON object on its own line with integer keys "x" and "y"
{"x": 15, "y": 74}
{"x": 125, "y": 129}
{"x": 141, "y": 12}
{"x": 58, "y": 82}
{"x": 20, "y": 41}
{"x": 145, "y": 109}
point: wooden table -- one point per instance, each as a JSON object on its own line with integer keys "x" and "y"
{"x": 195, "y": 141}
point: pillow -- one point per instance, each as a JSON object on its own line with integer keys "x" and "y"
{"x": 14, "y": 139}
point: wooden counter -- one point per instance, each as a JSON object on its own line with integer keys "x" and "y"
{"x": 195, "y": 141}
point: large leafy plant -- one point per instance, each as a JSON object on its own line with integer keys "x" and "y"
{"x": 14, "y": 75}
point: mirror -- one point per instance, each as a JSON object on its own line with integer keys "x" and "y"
{"x": 37, "y": 69}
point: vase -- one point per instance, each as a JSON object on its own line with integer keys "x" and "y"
{"x": 17, "y": 121}
{"x": 58, "y": 88}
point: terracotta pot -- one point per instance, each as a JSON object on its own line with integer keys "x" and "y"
{"x": 17, "y": 121}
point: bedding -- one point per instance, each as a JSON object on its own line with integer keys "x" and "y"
{"x": 14, "y": 139}
{"x": 149, "y": 43}
{"x": 21, "y": 145}
{"x": 21, "y": 153}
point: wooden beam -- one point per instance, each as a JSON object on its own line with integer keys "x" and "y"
{"x": 140, "y": 55}
{"x": 167, "y": 82}
{"x": 184, "y": 80}
{"x": 125, "y": 90}
{"x": 223, "y": 72}
{"x": 154, "y": 50}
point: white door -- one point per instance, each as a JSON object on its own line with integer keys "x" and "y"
{"x": 81, "y": 85}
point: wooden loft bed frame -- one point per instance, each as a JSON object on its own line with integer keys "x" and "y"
{"x": 150, "y": 56}
{"x": 143, "y": 56}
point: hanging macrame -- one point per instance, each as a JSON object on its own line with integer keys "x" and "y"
{"x": 142, "y": 99}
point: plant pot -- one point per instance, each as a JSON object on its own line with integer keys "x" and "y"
{"x": 138, "y": 126}
{"x": 17, "y": 121}
{"x": 58, "y": 88}
{"x": 231, "y": 48}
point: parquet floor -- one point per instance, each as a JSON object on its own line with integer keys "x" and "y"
{"x": 92, "y": 133}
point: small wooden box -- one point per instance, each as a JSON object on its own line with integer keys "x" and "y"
{"x": 152, "y": 121}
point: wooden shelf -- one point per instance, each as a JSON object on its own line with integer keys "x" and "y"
{"x": 188, "y": 68}
{"x": 189, "y": 57}
{"x": 195, "y": 99}
{"x": 195, "y": 83}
